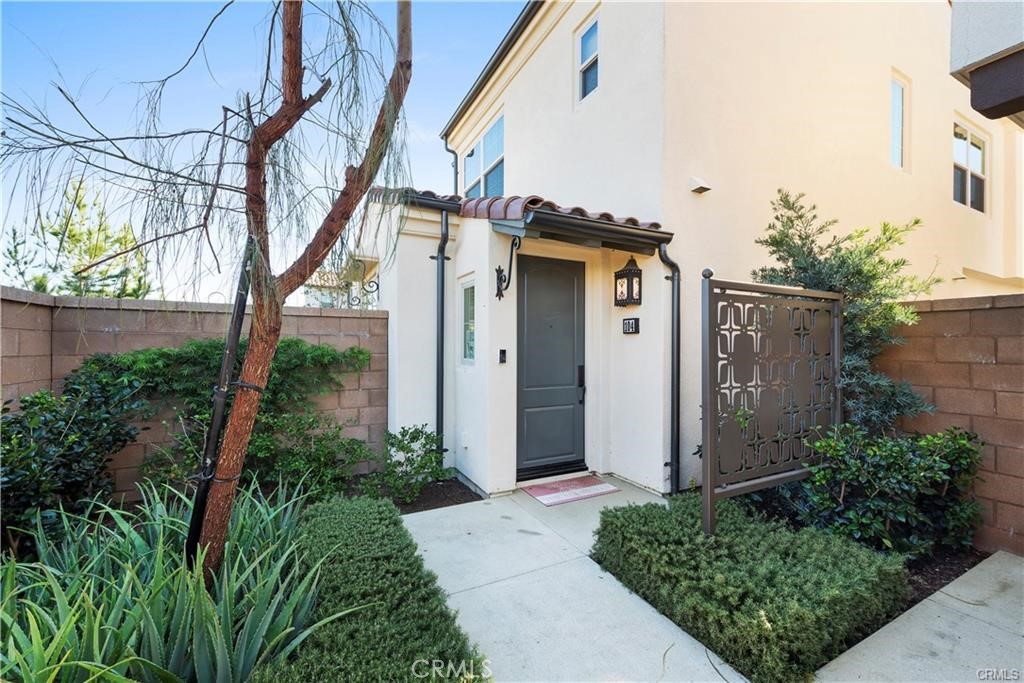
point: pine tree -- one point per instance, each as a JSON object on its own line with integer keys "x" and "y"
{"x": 80, "y": 235}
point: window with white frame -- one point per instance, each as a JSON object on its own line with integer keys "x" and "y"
{"x": 898, "y": 123}
{"x": 484, "y": 166}
{"x": 468, "y": 322}
{"x": 588, "y": 60}
{"x": 969, "y": 171}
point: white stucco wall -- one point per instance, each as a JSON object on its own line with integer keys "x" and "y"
{"x": 407, "y": 291}
{"x": 565, "y": 149}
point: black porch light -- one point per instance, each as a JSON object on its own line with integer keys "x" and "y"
{"x": 627, "y": 284}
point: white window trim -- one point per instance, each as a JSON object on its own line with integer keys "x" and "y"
{"x": 466, "y": 182}
{"x": 576, "y": 51}
{"x": 904, "y": 82}
{"x": 465, "y": 284}
{"x": 974, "y": 131}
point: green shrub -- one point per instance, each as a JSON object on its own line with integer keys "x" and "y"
{"x": 903, "y": 493}
{"x": 775, "y": 603}
{"x": 115, "y": 597}
{"x": 369, "y": 557}
{"x": 54, "y": 450}
{"x": 872, "y": 285}
{"x": 411, "y": 460}
{"x": 285, "y": 437}
{"x": 307, "y": 446}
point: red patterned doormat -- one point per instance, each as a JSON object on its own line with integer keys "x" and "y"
{"x": 568, "y": 490}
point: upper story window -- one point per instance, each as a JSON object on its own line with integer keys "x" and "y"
{"x": 588, "y": 60}
{"x": 898, "y": 123}
{"x": 484, "y": 166}
{"x": 969, "y": 170}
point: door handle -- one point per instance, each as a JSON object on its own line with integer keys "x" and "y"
{"x": 581, "y": 384}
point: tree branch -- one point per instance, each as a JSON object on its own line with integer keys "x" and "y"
{"x": 359, "y": 178}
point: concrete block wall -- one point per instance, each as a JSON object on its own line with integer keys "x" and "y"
{"x": 46, "y": 337}
{"x": 25, "y": 337}
{"x": 966, "y": 356}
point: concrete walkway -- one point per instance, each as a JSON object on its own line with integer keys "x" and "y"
{"x": 971, "y": 630}
{"x": 539, "y": 608}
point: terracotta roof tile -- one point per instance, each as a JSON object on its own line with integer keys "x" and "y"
{"x": 515, "y": 208}
{"x": 511, "y": 208}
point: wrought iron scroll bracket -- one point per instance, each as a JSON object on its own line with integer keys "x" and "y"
{"x": 503, "y": 278}
{"x": 367, "y": 288}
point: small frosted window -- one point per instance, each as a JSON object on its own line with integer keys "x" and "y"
{"x": 896, "y": 155}
{"x": 469, "y": 322}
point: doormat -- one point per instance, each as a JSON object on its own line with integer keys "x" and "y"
{"x": 568, "y": 490}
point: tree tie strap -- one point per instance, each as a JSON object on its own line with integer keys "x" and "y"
{"x": 245, "y": 385}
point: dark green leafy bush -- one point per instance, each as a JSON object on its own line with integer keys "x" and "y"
{"x": 411, "y": 460}
{"x": 775, "y": 603}
{"x": 288, "y": 436}
{"x": 55, "y": 450}
{"x": 307, "y": 446}
{"x": 903, "y": 493}
{"x": 369, "y": 557}
{"x": 872, "y": 285}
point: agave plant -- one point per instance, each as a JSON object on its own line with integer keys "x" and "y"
{"x": 115, "y": 601}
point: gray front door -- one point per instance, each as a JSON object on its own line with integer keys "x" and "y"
{"x": 552, "y": 378}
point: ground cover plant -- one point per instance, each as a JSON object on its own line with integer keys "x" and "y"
{"x": 774, "y": 602}
{"x": 55, "y": 450}
{"x": 290, "y": 439}
{"x": 113, "y": 600}
{"x": 369, "y": 557}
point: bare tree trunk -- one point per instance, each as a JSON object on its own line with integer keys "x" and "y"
{"x": 255, "y": 371}
{"x": 268, "y": 292}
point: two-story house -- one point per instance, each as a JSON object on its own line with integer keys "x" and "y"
{"x": 505, "y": 327}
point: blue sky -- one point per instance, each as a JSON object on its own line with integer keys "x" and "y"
{"x": 101, "y": 48}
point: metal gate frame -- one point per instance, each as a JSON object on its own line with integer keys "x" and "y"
{"x": 715, "y": 292}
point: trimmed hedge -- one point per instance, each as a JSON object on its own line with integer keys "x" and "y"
{"x": 773, "y": 602}
{"x": 371, "y": 560}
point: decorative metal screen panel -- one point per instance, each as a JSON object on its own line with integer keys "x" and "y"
{"x": 771, "y": 359}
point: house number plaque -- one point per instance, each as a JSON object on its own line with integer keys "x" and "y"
{"x": 631, "y": 326}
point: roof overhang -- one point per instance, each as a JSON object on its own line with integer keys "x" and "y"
{"x": 585, "y": 232}
{"x": 997, "y": 88}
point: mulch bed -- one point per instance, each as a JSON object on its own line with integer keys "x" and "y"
{"x": 440, "y": 494}
{"x": 929, "y": 574}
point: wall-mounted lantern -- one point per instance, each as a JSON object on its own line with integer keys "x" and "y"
{"x": 627, "y": 284}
